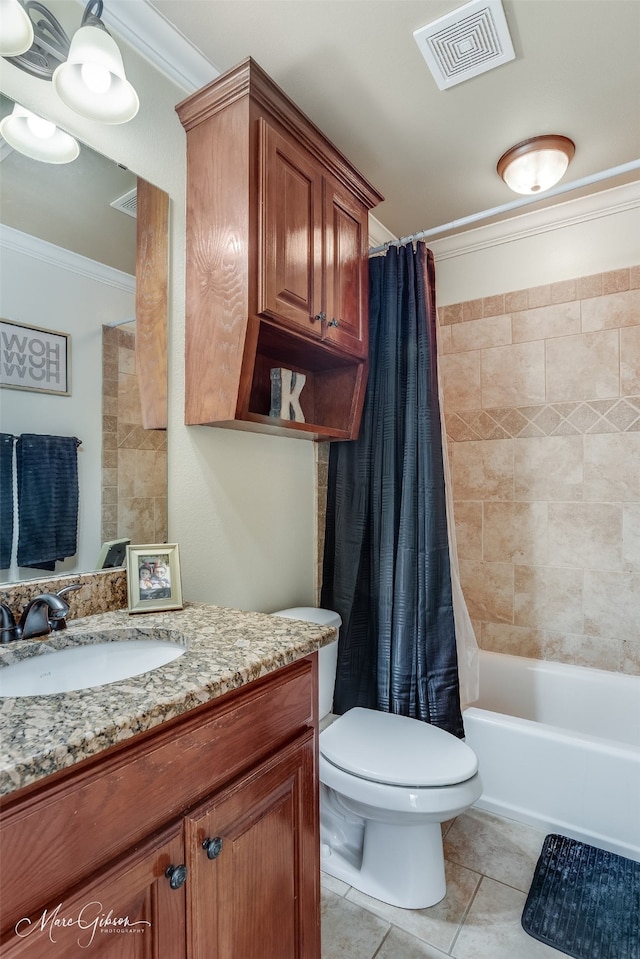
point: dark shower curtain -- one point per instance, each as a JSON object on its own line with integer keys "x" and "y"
{"x": 386, "y": 559}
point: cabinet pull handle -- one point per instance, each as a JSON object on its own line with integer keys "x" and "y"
{"x": 321, "y": 317}
{"x": 333, "y": 322}
{"x": 177, "y": 876}
{"x": 213, "y": 847}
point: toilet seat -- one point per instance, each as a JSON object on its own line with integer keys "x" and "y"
{"x": 396, "y": 750}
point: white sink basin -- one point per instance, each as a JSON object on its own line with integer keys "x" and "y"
{"x": 80, "y": 667}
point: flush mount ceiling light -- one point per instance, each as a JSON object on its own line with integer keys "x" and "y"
{"x": 87, "y": 72}
{"x": 537, "y": 164}
{"x": 37, "y": 138}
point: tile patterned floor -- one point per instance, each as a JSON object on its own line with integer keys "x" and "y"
{"x": 489, "y": 864}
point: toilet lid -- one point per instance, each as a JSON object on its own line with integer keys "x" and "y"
{"x": 396, "y": 750}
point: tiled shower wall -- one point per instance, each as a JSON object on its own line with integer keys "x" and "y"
{"x": 134, "y": 460}
{"x": 542, "y": 410}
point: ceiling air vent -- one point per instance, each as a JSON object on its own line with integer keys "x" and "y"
{"x": 127, "y": 203}
{"x": 470, "y": 40}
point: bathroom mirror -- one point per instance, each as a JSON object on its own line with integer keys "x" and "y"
{"x": 69, "y": 252}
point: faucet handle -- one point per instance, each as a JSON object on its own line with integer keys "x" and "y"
{"x": 7, "y": 624}
{"x": 69, "y": 588}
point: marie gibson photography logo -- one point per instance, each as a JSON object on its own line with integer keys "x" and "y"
{"x": 91, "y": 920}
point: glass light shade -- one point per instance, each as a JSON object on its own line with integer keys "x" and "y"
{"x": 92, "y": 82}
{"x": 536, "y": 165}
{"x": 36, "y": 138}
{"x": 16, "y": 35}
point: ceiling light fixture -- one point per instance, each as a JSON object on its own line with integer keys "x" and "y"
{"x": 87, "y": 72}
{"x": 537, "y": 164}
{"x": 37, "y": 138}
{"x": 17, "y": 32}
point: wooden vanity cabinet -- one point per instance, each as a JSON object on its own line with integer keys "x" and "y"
{"x": 277, "y": 270}
{"x": 245, "y": 847}
{"x": 91, "y": 919}
{"x": 203, "y": 832}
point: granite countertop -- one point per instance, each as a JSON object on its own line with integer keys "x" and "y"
{"x": 226, "y": 648}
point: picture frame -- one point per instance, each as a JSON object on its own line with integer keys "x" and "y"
{"x": 34, "y": 359}
{"x": 158, "y": 565}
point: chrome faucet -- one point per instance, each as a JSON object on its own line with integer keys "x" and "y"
{"x": 42, "y": 615}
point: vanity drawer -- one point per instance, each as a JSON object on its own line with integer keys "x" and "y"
{"x": 58, "y": 833}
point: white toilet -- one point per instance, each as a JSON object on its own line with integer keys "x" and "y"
{"x": 387, "y": 783}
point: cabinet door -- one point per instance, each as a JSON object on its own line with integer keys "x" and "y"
{"x": 128, "y": 911}
{"x": 257, "y": 897}
{"x": 290, "y": 208}
{"x": 347, "y": 228}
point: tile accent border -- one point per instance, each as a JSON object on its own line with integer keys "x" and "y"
{"x": 618, "y": 415}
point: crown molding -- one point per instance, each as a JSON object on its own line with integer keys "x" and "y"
{"x": 144, "y": 28}
{"x": 141, "y": 25}
{"x": 533, "y": 223}
{"x": 378, "y": 233}
{"x": 17, "y": 242}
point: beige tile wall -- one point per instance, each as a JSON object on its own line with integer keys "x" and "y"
{"x": 134, "y": 460}
{"x": 542, "y": 409}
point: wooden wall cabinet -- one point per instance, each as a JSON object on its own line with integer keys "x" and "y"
{"x": 277, "y": 237}
{"x": 203, "y": 833}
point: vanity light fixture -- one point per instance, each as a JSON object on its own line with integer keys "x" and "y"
{"x": 17, "y": 31}
{"x": 536, "y": 164}
{"x": 37, "y": 138}
{"x": 87, "y": 72}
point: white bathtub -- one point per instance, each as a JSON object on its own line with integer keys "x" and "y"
{"x": 559, "y": 748}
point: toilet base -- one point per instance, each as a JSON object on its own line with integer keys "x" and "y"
{"x": 402, "y": 865}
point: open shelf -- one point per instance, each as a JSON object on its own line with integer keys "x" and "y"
{"x": 330, "y": 398}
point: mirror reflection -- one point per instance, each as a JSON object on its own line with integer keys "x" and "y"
{"x": 68, "y": 266}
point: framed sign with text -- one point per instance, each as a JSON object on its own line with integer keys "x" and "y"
{"x": 34, "y": 359}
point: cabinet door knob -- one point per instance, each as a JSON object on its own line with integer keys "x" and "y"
{"x": 177, "y": 876}
{"x": 212, "y": 847}
{"x": 333, "y": 322}
{"x": 321, "y": 317}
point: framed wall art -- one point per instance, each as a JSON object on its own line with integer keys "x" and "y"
{"x": 153, "y": 578}
{"x": 32, "y": 358}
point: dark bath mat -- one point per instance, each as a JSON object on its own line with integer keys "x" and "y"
{"x": 584, "y": 901}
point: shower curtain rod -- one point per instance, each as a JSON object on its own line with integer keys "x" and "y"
{"x": 129, "y": 319}
{"x": 506, "y": 207}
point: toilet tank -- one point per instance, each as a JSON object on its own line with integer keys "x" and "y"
{"x": 327, "y": 655}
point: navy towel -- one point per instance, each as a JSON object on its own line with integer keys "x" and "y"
{"x": 6, "y": 498}
{"x": 47, "y": 469}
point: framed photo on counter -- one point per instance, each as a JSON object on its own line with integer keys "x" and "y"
{"x": 153, "y": 578}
